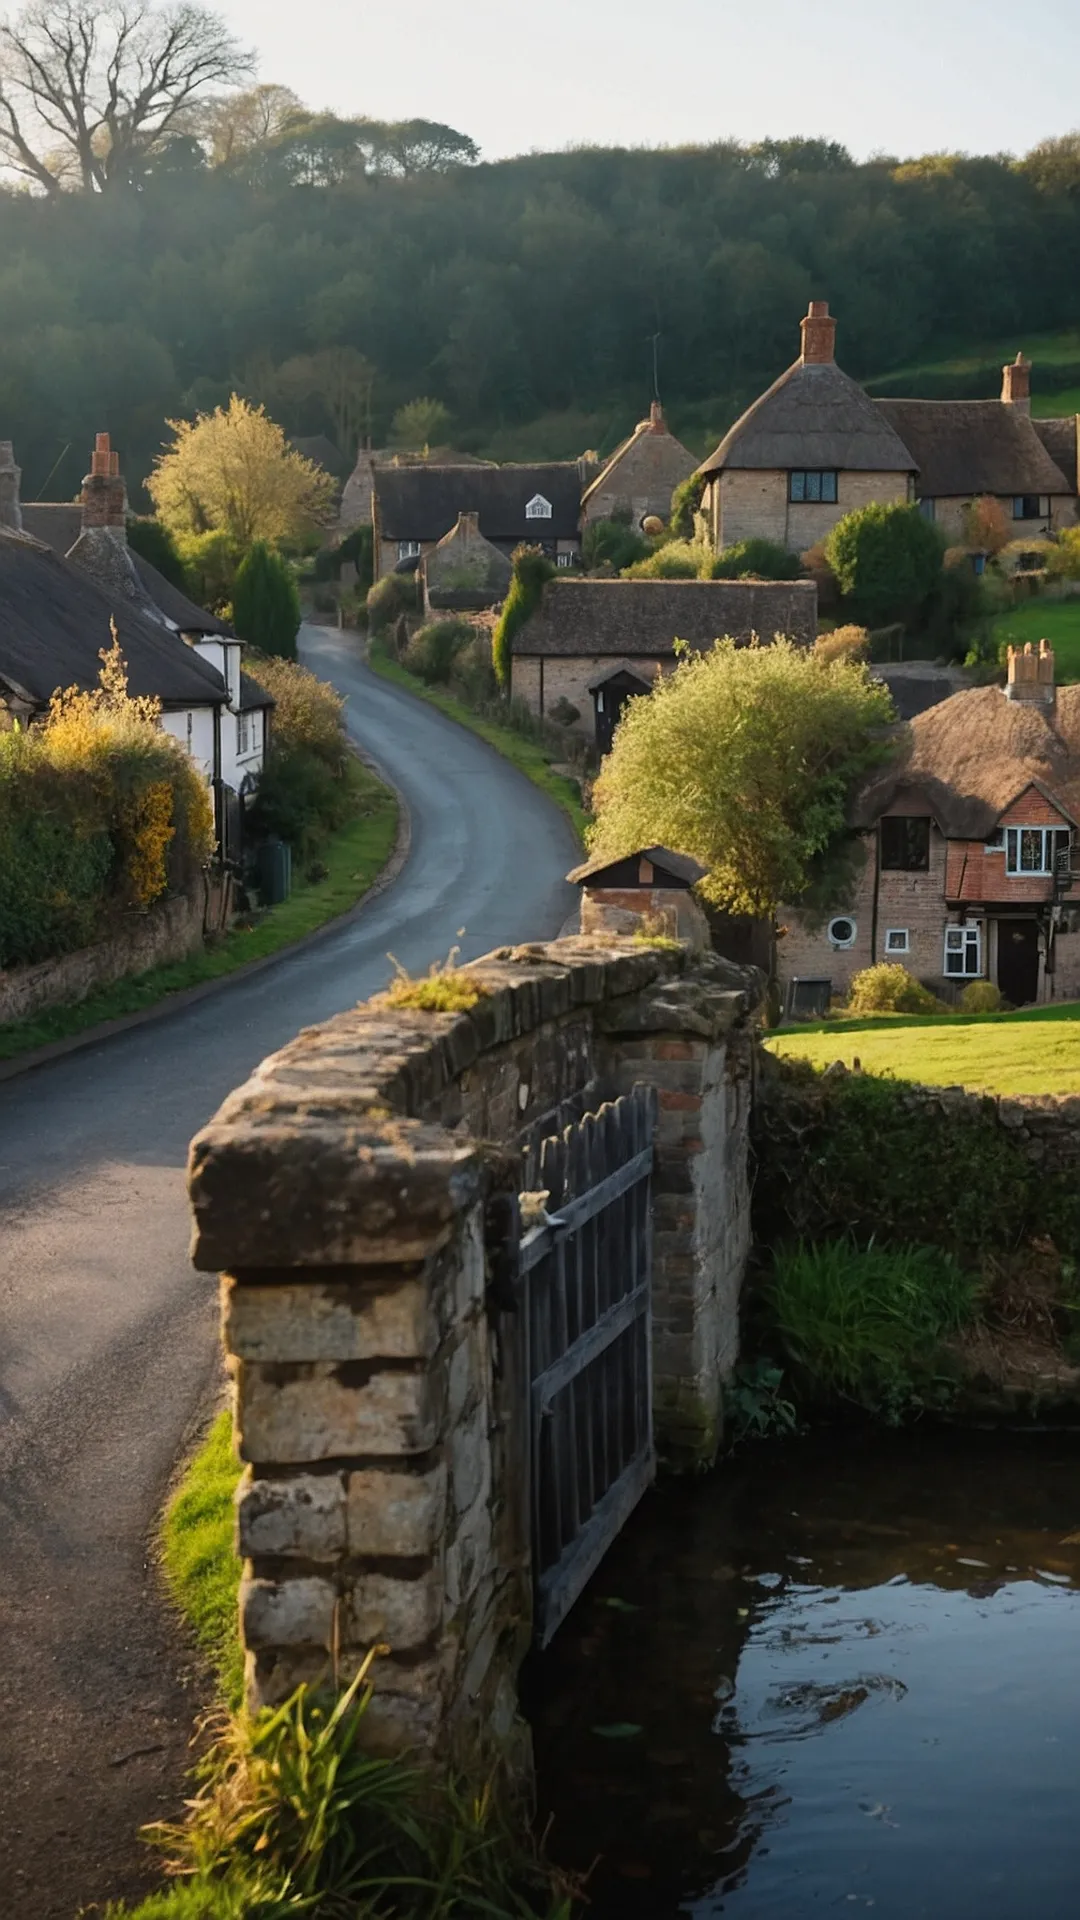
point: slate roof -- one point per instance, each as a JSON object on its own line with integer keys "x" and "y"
{"x": 813, "y": 416}
{"x": 59, "y": 524}
{"x": 966, "y": 447}
{"x": 973, "y": 755}
{"x": 625, "y": 618}
{"x": 423, "y": 502}
{"x": 54, "y": 623}
{"x": 1059, "y": 437}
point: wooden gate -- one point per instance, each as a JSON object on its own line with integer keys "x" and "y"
{"x": 585, "y": 1271}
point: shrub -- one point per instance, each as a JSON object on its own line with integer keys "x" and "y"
{"x": 395, "y": 594}
{"x": 890, "y": 988}
{"x": 612, "y": 542}
{"x": 865, "y": 1324}
{"x": 308, "y": 712}
{"x": 433, "y": 649}
{"x": 532, "y": 571}
{"x": 685, "y": 502}
{"x": 153, "y": 541}
{"x": 266, "y": 603}
{"x": 981, "y": 996}
{"x": 887, "y": 561}
{"x": 985, "y": 526}
{"x": 1063, "y": 560}
{"x": 843, "y": 643}
{"x": 473, "y": 675}
{"x": 308, "y": 785}
{"x": 678, "y": 560}
{"x": 758, "y": 559}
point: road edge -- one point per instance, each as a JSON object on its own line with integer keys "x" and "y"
{"x": 190, "y": 996}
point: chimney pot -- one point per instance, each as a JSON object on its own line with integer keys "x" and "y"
{"x": 1016, "y": 384}
{"x": 818, "y": 335}
{"x": 1031, "y": 674}
{"x": 104, "y": 495}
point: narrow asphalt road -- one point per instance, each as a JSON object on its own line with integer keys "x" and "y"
{"x": 108, "y": 1345}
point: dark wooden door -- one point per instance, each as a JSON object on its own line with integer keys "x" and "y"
{"x": 1018, "y": 961}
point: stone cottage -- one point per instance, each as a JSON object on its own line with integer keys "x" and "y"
{"x": 595, "y": 644}
{"x": 641, "y": 476}
{"x": 969, "y": 835}
{"x": 811, "y": 449}
{"x": 414, "y": 506}
{"x": 464, "y": 571}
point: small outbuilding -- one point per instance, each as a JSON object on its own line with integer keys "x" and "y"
{"x": 646, "y": 891}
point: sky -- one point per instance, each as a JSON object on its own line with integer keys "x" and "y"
{"x": 982, "y": 76}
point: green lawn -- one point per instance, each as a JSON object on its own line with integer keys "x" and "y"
{"x": 527, "y": 755}
{"x": 1037, "y": 1051}
{"x": 353, "y": 858}
{"x": 1055, "y": 620}
{"x": 201, "y": 1567}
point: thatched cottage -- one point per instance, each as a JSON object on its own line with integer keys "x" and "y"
{"x": 816, "y": 446}
{"x": 594, "y": 644}
{"x": 969, "y": 837}
{"x": 639, "y": 479}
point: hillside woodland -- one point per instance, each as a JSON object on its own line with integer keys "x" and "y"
{"x": 338, "y": 270}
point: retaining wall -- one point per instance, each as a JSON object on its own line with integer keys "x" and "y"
{"x": 168, "y": 932}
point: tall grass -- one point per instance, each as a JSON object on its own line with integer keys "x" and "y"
{"x": 865, "y": 1325}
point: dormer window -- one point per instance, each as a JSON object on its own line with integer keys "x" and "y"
{"x": 538, "y": 508}
{"x": 905, "y": 843}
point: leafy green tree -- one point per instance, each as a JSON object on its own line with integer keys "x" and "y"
{"x": 612, "y": 542}
{"x": 746, "y": 758}
{"x": 266, "y": 603}
{"x": 155, "y": 543}
{"x": 888, "y": 562}
{"x": 419, "y": 425}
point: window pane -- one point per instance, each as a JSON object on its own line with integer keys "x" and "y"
{"x": 905, "y": 843}
{"x": 1031, "y": 850}
{"x": 828, "y": 488}
{"x": 813, "y": 486}
{"x": 954, "y": 938}
{"x": 954, "y": 962}
{"x": 798, "y": 486}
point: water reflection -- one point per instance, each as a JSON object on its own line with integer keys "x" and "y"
{"x": 837, "y": 1677}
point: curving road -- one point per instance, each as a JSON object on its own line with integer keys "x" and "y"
{"x": 108, "y": 1352}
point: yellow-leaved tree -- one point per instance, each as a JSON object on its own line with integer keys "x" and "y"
{"x": 233, "y": 471}
{"x": 746, "y": 757}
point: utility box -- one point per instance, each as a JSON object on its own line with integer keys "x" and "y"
{"x": 275, "y": 872}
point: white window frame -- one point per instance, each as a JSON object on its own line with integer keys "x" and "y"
{"x": 245, "y": 742}
{"x": 538, "y": 508}
{"x": 565, "y": 559}
{"x": 846, "y": 920}
{"x": 897, "y": 940}
{"x": 963, "y": 942}
{"x": 407, "y": 549}
{"x": 1052, "y": 839}
{"x": 996, "y": 841}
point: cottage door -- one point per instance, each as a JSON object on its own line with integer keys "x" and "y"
{"x": 1018, "y": 961}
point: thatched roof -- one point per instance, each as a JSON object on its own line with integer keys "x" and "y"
{"x": 966, "y": 447}
{"x": 423, "y": 502}
{"x": 971, "y": 756}
{"x": 916, "y": 685}
{"x": 1059, "y": 439}
{"x": 54, "y": 623}
{"x": 625, "y": 618}
{"x": 813, "y": 416}
{"x": 59, "y": 524}
{"x": 669, "y": 454}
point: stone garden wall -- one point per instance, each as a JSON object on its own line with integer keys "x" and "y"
{"x": 359, "y": 1197}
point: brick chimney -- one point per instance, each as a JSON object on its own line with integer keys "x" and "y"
{"x": 10, "y": 475}
{"x": 104, "y": 495}
{"x": 818, "y": 336}
{"x": 1016, "y": 384}
{"x": 657, "y": 423}
{"x": 1031, "y": 674}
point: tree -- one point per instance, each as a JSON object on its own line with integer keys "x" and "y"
{"x": 887, "y": 561}
{"x": 744, "y": 757}
{"x": 406, "y": 147}
{"x": 419, "y": 425}
{"x": 89, "y": 95}
{"x": 340, "y": 379}
{"x": 240, "y": 124}
{"x": 155, "y": 543}
{"x": 985, "y": 526}
{"x": 233, "y": 470}
{"x": 266, "y": 604}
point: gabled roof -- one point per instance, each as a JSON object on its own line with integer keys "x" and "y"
{"x": 1059, "y": 437}
{"x": 966, "y": 447}
{"x": 973, "y": 755}
{"x": 813, "y": 416}
{"x": 54, "y": 624}
{"x": 625, "y": 618}
{"x": 654, "y": 429}
{"x": 59, "y": 524}
{"x": 423, "y": 502}
{"x": 624, "y": 870}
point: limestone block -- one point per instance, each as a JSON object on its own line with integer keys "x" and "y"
{"x": 302, "y": 1515}
{"x": 317, "y": 1320}
{"x": 287, "y": 1613}
{"x": 395, "y": 1513}
{"x": 402, "y": 1613}
{"x": 293, "y": 1414}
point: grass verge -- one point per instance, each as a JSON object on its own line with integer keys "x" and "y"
{"x": 354, "y": 857}
{"x": 530, "y": 759}
{"x": 200, "y": 1561}
{"x": 1035, "y": 1051}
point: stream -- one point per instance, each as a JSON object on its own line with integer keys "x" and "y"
{"x": 840, "y": 1674}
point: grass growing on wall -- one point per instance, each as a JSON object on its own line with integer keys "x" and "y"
{"x": 1036, "y": 1051}
{"x": 353, "y": 859}
{"x": 200, "y": 1561}
{"x": 529, "y": 758}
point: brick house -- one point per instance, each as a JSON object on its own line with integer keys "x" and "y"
{"x": 641, "y": 475}
{"x": 413, "y": 507}
{"x": 969, "y": 834}
{"x": 598, "y": 643}
{"x": 811, "y": 449}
